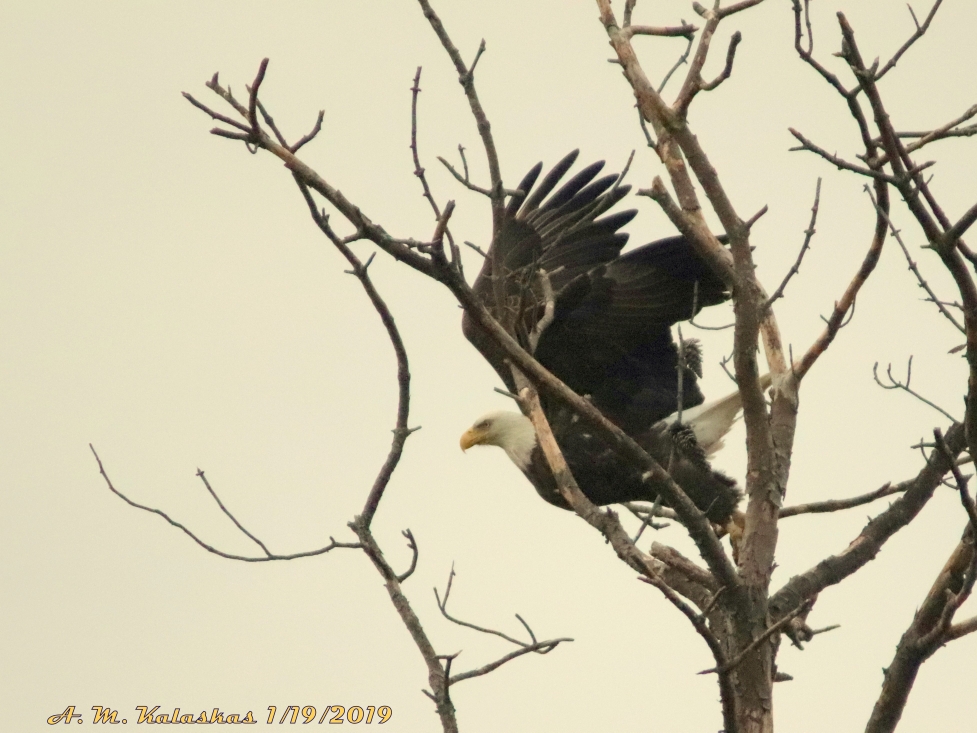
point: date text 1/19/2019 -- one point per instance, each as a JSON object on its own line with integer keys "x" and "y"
{"x": 334, "y": 714}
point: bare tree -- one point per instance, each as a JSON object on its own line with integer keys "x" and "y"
{"x": 728, "y": 599}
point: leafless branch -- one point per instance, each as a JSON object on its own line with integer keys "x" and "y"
{"x": 952, "y": 236}
{"x": 838, "y": 162}
{"x": 930, "y": 629}
{"x": 929, "y": 136}
{"x": 437, "y": 675}
{"x": 216, "y": 115}
{"x": 401, "y": 431}
{"x": 847, "y": 302}
{"x": 773, "y": 629}
{"x": 834, "y": 505}
{"x": 962, "y": 629}
{"x": 412, "y": 544}
{"x": 646, "y": 517}
{"x": 310, "y": 136}
{"x": 920, "y": 30}
{"x": 464, "y": 180}
{"x": 466, "y": 77}
{"x": 210, "y": 548}
{"x": 661, "y": 87}
{"x": 727, "y": 692}
{"x": 533, "y": 645}
{"x": 540, "y": 647}
{"x": 686, "y": 30}
{"x": 269, "y": 120}
{"x": 866, "y": 545}
{"x": 896, "y": 384}
{"x": 897, "y": 234}
{"x": 965, "y": 499}
{"x": 808, "y": 235}
{"x": 253, "y": 95}
{"x": 734, "y": 41}
{"x": 224, "y": 509}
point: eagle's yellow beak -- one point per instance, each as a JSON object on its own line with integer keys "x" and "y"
{"x": 471, "y": 437}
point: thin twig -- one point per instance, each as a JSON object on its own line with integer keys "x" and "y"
{"x": 734, "y": 41}
{"x": 896, "y": 384}
{"x": 683, "y": 59}
{"x": 897, "y": 234}
{"x": 920, "y": 30}
{"x": 771, "y": 630}
{"x": 311, "y": 134}
{"x": 333, "y": 545}
{"x": 796, "y": 267}
{"x": 401, "y": 431}
{"x": 224, "y": 509}
{"x": 412, "y": 544}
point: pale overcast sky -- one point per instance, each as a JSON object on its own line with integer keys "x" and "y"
{"x": 165, "y": 296}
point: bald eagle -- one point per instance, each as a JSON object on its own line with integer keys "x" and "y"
{"x": 607, "y": 336}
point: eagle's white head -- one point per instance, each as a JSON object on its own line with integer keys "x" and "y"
{"x": 510, "y": 431}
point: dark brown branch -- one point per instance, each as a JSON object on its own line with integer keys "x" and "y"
{"x": 927, "y": 213}
{"x": 727, "y": 691}
{"x": 418, "y": 169}
{"x": 737, "y": 8}
{"x": 675, "y": 560}
{"x": 929, "y": 630}
{"x": 215, "y": 115}
{"x": 968, "y": 503}
{"x": 253, "y": 96}
{"x": 246, "y": 137}
{"x": 773, "y": 629}
{"x": 835, "y": 568}
{"x": 442, "y": 228}
{"x": 835, "y": 505}
{"x": 476, "y": 248}
{"x": 412, "y": 544}
{"x": 920, "y": 30}
{"x": 939, "y": 133}
{"x": 837, "y": 161}
{"x": 399, "y": 249}
{"x": 734, "y": 41}
{"x": 210, "y": 548}
{"x": 953, "y": 234}
{"x": 270, "y": 121}
{"x": 847, "y": 302}
{"x": 309, "y": 137}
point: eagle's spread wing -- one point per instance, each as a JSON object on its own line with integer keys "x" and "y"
{"x": 610, "y": 338}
